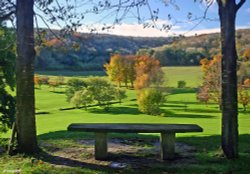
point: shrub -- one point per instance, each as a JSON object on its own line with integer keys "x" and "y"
{"x": 150, "y": 100}
{"x": 53, "y": 84}
{"x": 181, "y": 84}
{"x": 44, "y": 80}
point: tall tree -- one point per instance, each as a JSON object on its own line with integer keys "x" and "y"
{"x": 25, "y": 100}
{"x": 227, "y": 13}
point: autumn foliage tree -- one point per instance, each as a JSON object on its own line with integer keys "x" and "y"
{"x": 148, "y": 72}
{"x": 244, "y": 66}
{"x": 121, "y": 69}
{"x": 37, "y": 81}
{"x": 243, "y": 96}
{"x": 115, "y": 69}
{"x": 203, "y": 95}
{"x": 211, "y": 87}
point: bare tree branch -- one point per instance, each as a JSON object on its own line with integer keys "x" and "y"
{"x": 240, "y": 4}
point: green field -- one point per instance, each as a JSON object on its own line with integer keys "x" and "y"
{"x": 181, "y": 107}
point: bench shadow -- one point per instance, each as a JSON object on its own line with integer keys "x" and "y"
{"x": 63, "y": 161}
{"x": 208, "y": 146}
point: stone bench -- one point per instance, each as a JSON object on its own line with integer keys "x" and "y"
{"x": 167, "y": 132}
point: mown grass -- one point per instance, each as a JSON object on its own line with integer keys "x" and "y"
{"x": 181, "y": 107}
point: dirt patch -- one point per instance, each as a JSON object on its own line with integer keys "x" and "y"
{"x": 132, "y": 153}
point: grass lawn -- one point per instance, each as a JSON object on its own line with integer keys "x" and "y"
{"x": 181, "y": 107}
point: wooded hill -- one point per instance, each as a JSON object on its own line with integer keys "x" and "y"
{"x": 184, "y": 51}
{"x": 90, "y": 51}
{"x": 86, "y": 52}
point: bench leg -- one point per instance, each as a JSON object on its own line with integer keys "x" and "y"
{"x": 167, "y": 145}
{"x": 101, "y": 147}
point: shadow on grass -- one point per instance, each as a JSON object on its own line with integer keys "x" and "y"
{"x": 58, "y": 92}
{"x": 172, "y": 114}
{"x": 203, "y": 143}
{"x": 183, "y": 102}
{"x": 206, "y": 148}
{"x": 42, "y": 113}
{"x": 204, "y": 111}
{"x": 63, "y": 161}
{"x": 116, "y": 110}
{"x": 174, "y": 106}
{"x": 212, "y": 143}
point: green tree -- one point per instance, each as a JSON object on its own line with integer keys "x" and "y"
{"x": 102, "y": 91}
{"x": 120, "y": 94}
{"x": 82, "y": 98}
{"x": 7, "y": 77}
{"x": 74, "y": 85}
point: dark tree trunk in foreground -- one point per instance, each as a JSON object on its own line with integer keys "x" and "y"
{"x": 227, "y": 13}
{"x": 25, "y": 101}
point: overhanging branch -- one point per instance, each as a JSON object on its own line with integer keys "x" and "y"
{"x": 240, "y": 4}
{"x": 6, "y": 16}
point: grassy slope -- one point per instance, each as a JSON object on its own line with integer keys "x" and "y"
{"x": 179, "y": 108}
{"x": 191, "y": 74}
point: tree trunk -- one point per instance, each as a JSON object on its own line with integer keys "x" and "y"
{"x": 227, "y": 13}
{"x": 25, "y": 101}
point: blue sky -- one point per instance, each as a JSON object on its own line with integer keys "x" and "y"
{"x": 181, "y": 25}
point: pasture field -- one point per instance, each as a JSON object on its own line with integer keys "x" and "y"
{"x": 181, "y": 107}
{"x": 191, "y": 74}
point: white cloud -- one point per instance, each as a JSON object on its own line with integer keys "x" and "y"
{"x": 138, "y": 30}
{"x": 134, "y": 30}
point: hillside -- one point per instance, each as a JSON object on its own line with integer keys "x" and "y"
{"x": 88, "y": 52}
{"x": 185, "y": 51}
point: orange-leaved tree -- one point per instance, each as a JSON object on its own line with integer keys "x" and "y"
{"x": 121, "y": 69}
{"x": 115, "y": 69}
{"x": 148, "y": 72}
{"x": 211, "y": 80}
